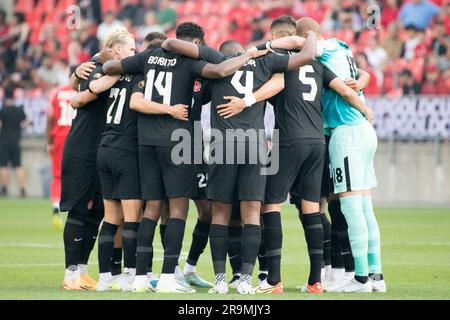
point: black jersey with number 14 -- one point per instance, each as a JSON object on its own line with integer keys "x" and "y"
{"x": 169, "y": 79}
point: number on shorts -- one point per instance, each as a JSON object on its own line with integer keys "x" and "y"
{"x": 338, "y": 175}
{"x": 202, "y": 180}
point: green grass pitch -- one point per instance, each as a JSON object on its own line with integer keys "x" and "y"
{"x": 415, "y": 250}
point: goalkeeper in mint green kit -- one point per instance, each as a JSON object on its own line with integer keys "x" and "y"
{"x": 352, "y": 150}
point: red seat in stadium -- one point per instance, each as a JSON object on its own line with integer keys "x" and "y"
{"x": 109, "y": 5}
{"x": 23, "y": 6}
{"x": 46, "y": 5}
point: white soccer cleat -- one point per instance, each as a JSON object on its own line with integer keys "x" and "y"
{"x": 141, "y": 284}
{"x": 172, "y": 286}
{"x": 378, "y": 285}
{"x": 126, "y": 280}
{"x": 354, "y": 286}
{"x": 107, "y": 285}
{"x": 219, "y": 288}
{"x": 245, "y": 288}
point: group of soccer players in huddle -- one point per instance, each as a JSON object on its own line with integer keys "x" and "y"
{"x": 121, "y": 165}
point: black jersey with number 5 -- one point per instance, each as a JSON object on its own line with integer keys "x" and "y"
{"x": 245, "y": 81}
{"x": 169, "y": 79}
{"x": 88, "y": 124}
{"x": 121, "y": 122}
{"x": 298, "y": 108}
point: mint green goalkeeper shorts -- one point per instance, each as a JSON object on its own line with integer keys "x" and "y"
{"x": 352, "y": 151}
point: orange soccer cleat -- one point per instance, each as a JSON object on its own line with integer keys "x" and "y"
{"x": 87, "y": 283}
{"x": 316, "y": 288}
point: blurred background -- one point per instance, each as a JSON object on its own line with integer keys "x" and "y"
{"x": 404, "y": 45}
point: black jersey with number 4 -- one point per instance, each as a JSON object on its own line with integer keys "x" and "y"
{"x": 245, "y": 81}
{"x": 88, "y": 124}
{"x": 121, "y": 122}
{"x": 169, "y": 79}
{"x": 298, "y": 108}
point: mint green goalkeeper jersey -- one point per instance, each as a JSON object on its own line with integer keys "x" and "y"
{"x": 337, "y": 57}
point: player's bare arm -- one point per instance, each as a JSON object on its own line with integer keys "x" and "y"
{"x": 237, "y": 105}
{"x": 359, "y": 84}
{"x": 182, "y": 47}
{"x": 104, "y": 83}
{"x": 81, "y": 73}
{"x": 50, "y": 124}
{"x": 230, "y": 66}
{"x": 140, "y": 104}
{"x": 307, "y": 54}
{"x": 286, "y": 43}
{"x": 349, "y": 95}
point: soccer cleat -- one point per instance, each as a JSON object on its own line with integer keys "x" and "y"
{"x": 235, "y": 280}
{"x": 354, "y": 286}
{"x": 195, "y": 280}
{"x": 172, "y": 286}
{"x": 316, "y": 288}
{"x": 182, "y": 281}
{"x": 265, "y": 287}
{"x": 378, "y": 285}
{"x": 141, "y": 285}
{"x": 87, "y": 283}
{"x": 245, "y": 288}
{"x": 219, "y": 288}
{"x": 71, "y": 280}
{"x": 262, "y": 276}
{"x": 152, "y": 280}
{"x": 57, "y": 221}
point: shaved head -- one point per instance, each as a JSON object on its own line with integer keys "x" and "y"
{"x": 231, "y": 47}
{"x": 306, "y": 24}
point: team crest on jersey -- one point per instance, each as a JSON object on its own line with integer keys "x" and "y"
{"x": 141, "y": 84}
{"x": 98, "y": 75}
{"x": 197, "y": 86}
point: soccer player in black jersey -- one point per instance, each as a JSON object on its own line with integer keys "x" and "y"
{"x": 237, "y": 178}
{"x": 80, "y": 186}
{"x": 163, "y": 108}
{"x": 299, "y": 121}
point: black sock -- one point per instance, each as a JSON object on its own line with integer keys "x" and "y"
{"x": 106, "y": 246}
{"x": 262, "y": 258}
{"x": 337, "y": 261}
{"x": 199, "y": 241}
{"x": 146, "y": 233}
{"x": 251, "y": 239}
{"x": 162, "y": 232}
{"x": 218, "y": 241}
{"x": 273, "y": 240}
{"x": 173, "y": 240}
{"x": 116, "y": 262}
{"x": 341, "y": 228}
{"x": 362, "y": 279}
{"x": 312, "y": 224}
{"x": 234, "y": 248}
{"x": 150, "y": 262}
{"x": 73, "y": 237}
{"x": 326, "y": 239}
{"x": 90, "y": 233}
{"x": 129, "y": 243}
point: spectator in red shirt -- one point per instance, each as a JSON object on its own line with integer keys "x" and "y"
{"x": 372, "y": 88}
{"x": 389, "y": 12}
{"x": 430, "y": 84}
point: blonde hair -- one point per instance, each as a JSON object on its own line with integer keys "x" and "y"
{"x": 119, "y": 34}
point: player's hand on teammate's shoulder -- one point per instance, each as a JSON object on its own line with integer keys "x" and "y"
{"x": 257, "y": 53}
{"x": 105, "y": 55}
{"x": 84, "y": 70}
{"x": 179, "y": 111}
{"x": 232, "y": 108}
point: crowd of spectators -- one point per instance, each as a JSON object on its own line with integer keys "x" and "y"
{"x": 406, "y": 48}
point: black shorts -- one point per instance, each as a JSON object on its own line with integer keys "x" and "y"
{"x": 299, "y": 173}
{"x": 161, "y": 178}
{"x": 201, "y": 173}
{"x": 119, "y": 173}
{"x": 80, "y": 185}
{"x": 240, "y": 178}
{"x": 10, "y": 154}
{"x": 327, "y": 177}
